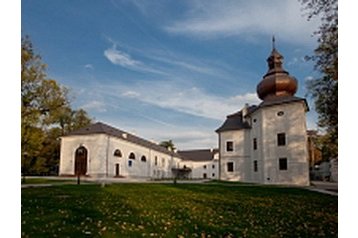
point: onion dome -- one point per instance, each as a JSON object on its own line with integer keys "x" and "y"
{"x": 276, "y": 82}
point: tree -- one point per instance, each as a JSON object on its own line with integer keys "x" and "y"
{"x": 168, "y": 144}
{"x": 45, "y": 115}
{"x": 40, "y": 98}
{"x": 324, "y": 90}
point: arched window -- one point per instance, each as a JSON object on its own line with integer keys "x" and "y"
{"x": 143, "y": 159}
{"x": 131, "y": 156}
{"x": 117, "y": 153}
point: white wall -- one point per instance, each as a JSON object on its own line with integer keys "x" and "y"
{"x": 211, "y": 168}
{"x": 266, "y": 124}
{"x": 239, "y": 156}
{"x": 293, "y": 124}
{"x": 102, "y": 162}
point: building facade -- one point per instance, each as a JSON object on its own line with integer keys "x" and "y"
{"x": 100, "y": 150}
{"x": 201, "y": 164}
{"x": 267, "y": 143}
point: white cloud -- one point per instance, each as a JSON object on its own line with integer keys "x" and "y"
{"x": 184, "y": 137}
{"x": 95, "y": 106}
{"x": 130, "y": 94}
{"x": 192, "y": 100}
{"x": 120, "y": 58}
{"x": 123, "y": 59}
{"x": 88, "y": 66}
{"x": 246, "y": 18}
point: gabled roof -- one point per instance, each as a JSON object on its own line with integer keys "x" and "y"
{"x": 101, "y": 128}
{"x": 198, "y": 155}
{"x": 233, "y": 122}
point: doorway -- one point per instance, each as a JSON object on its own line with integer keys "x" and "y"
{"x": 117, "y": 170}
{"x": 81, "y": 161}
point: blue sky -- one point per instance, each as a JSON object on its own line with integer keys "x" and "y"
{"x": 168, "y": 69}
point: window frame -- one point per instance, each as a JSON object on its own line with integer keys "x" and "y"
{"x": 254, "y": 141}
{"x": 283, "y": 166}
{"x": 232, "y": 146}
{"x": 281, "y": 139}
{"x": 256, "y": 168}
{"x": 117, "y": 153}
{"x": 231, "y": 166}
{"x": 131, "y": 156}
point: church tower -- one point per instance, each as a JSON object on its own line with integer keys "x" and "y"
{"x": 267, "y": 143}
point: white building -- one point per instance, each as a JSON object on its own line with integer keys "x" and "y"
{"x": 202, "y": 164}
{"x": 100, "y": 150}
{"x": 267, "y": 143}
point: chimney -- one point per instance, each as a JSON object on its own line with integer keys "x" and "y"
{"x": 245, "y": 111}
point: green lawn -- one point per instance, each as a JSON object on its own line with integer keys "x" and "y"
{"x": 182, "y": 210}
{"x": 50, "y": 181}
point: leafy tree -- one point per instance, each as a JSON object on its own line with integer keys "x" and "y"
{"x": 45, "y": 115}
{"x": 324, "y": 90}
{"x": 80, "y": 119}
{"x": 168, "y": 144}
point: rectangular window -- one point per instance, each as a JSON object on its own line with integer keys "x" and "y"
{"x": 229, "y": 146}
{"x": 255, "y": 144}
{"x": 213, "y": 166}
{"x": 155, "y": 160}
{"x": 130, "y": 163}
{"x": 282, "y": 163}
{"x": 281, "y": 139}
{"x": 204, "y": 166}
{"x": 230, "y": 167}
{"x": 204, "y": 175}
{"x": 213, "y": 175}
{"x": 255, "y": 166}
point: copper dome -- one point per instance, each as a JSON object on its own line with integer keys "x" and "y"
{"x": 276, "y": 82}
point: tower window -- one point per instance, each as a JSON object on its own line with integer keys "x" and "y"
{"x": 255, "y": 166}
{"x": 255, "y": 143}
{"x": 230, "y": 167}
{"x": 282, "y": 163}
{"x": 281, "y": 139}
{"x": 229, "y": 146}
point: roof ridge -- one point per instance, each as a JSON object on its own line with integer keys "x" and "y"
{"x": 100, "y": 127}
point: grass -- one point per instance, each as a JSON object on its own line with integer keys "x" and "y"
{"x": 182, "y": 210}
{"x": 44, "y": 181}
{"x": 52, "y": 181}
